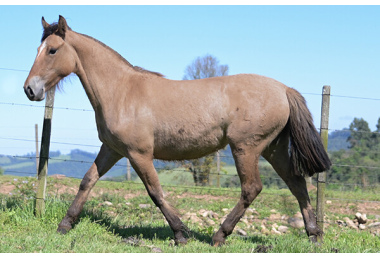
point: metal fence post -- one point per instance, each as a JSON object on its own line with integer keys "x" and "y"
{"x": 44, "y": 154}
{"x": 321, "y": 185}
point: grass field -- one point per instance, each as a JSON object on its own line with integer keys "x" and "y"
{"x": 132, "y": 224}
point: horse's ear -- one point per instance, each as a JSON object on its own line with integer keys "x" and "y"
{"x": 62, "y": 27}
{"x": 44, "y": 23}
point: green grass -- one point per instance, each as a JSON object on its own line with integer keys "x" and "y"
{"x": 177, "y": 176}
{"x": 127, "y": 228}
{"x": 29, "y": 163}
{"x": 17, "y": 166}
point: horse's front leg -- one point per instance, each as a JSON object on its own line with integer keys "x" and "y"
{"x": 103, "y": 162}
{"x": 143, "y": 164}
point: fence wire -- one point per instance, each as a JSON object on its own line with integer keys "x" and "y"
{"x": 181, "y": 170}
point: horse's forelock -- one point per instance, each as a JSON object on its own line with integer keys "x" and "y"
{"x": 52, "y": 29}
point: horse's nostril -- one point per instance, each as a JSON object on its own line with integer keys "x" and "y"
{"x": 29, "y": 92}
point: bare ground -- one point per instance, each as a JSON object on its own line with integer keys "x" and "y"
{"x": 334, "y": 206}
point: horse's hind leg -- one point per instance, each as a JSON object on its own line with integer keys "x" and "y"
{"x": 103, "y": 162}
{"x": 278, "y": 156}
{"x": 143, "y": 164}
{"x": 246, "y": 160}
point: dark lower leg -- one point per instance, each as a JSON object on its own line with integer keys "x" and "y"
{"x": 236, "y": 214}
{"x": 278, "y": 156}
{"x": 76, "y": 207}
{"x": 147, "y": 173}
{"x": 297, "y": 186}
{"x": 247, "y": 167}
{"x": 104, "y": 161}
{"x": 175, "y": 223}
{"x": 170, "y": 214}
{"x": 229, "y": 224}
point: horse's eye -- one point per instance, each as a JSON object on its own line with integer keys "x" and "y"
{"x": 52, "y": 51}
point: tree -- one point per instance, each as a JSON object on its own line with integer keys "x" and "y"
{"x": 204, "y": 67}
{"x": 360, "y": 133}
{"x": 358, "y": 163}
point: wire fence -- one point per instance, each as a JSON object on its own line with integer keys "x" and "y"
{"x": 375, "y": 170}
{"x": 213, "y": 175}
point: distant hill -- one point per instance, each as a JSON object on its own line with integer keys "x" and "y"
{"x": 74, "y": 164}
{"x": 338, "y": 140}
{"x": 78, "y": 162}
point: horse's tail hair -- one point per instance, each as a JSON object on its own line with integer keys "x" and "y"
{"x": 307, "y": 153}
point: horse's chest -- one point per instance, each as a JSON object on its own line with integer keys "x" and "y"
{"x": 123, "y": 136}
{"x": 110, "y": 136}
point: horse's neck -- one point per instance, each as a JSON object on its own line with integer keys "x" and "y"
{"x": 101, "y": 71}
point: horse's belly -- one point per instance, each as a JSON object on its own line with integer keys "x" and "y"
{"x": 186, "y": 144}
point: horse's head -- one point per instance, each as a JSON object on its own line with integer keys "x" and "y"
{"x": 55, "y": 60}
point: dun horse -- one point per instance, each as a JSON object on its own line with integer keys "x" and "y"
{"x": 143, "y": 116}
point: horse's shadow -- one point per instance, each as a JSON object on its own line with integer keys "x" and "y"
{"x": 147, "y": 231}
{"x": 155, "y": 232}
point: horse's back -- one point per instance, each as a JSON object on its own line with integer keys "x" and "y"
{"x": 201, "y": 116}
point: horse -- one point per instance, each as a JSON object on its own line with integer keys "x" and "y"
{"x": 142, "y": 116}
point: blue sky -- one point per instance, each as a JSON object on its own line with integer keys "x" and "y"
{"x": 305, "y": 47}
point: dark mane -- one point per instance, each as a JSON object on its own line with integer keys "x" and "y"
{"x": 53, "y": 29}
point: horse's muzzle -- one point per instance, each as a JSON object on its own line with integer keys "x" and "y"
{"x": 29, "y": 92}
{"x": 35, "y": 89}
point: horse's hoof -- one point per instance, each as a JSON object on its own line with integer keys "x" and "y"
{"x": 217, "y": 242}
{"x": 316, "y": 240}
{"x": 180, "y": 241}
{"x": 63, "y": 230}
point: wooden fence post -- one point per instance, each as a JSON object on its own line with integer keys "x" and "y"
{"x": 44, "y": 154}
{"x": 37, "y": 154}
{"x": 218, "y": 169}
{"x": 324, "y": 135}
{"x": 128, "y": 170}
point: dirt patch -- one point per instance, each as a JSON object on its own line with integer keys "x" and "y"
{"x": 349, "y": 208}
{"x": 58, "y": 176}
{"x": 206, "y": 197}
{"x": 130, "y": 196}
{"x": 372, "y": 208}
{"x": 6, "y": 189}
{"x": 335, "y": 206}
{"x": 62, "y": 189}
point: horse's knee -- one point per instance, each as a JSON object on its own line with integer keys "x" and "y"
{"x": 258, "y": 187}
{"x": 249, "y": 193}
{"x": 84, "y": 185}
{"x": 88, "y": 181}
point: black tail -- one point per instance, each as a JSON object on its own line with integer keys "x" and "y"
{"x": 307, "y": 154}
